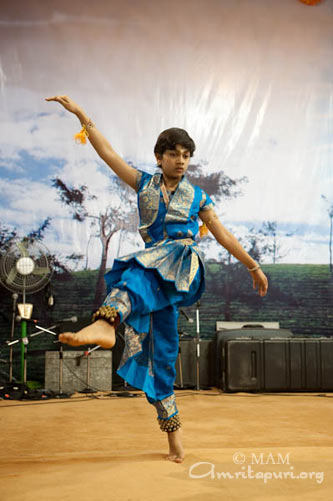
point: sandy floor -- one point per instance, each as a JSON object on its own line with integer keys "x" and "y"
{"x": 110, "y": 448}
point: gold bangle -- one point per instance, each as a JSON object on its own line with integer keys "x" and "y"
{"x": 255, "y": 268}
{"x": 90, "y": 124}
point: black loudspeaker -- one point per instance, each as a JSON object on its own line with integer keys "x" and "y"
{"x": 248, "y": 332}
{"x": 295, "y": 364}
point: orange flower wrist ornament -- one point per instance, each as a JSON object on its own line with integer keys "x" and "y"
{"x": 81, "y": 137}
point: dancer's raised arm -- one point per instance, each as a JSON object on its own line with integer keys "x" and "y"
{"x": 104, "y": 149}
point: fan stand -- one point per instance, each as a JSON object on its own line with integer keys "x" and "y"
{"x": 12, "y": 330}
{"x": 25, "y": 311}
{"x": 24, "y": 268}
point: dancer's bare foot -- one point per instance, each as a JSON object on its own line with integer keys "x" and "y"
{"x": 99, "y": 332}
{"x": 176, "y": 451}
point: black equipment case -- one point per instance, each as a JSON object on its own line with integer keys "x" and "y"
{"x": 247, "y": 332}
{"x": 296, "y": 364}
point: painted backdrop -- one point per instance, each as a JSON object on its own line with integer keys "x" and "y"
{"x": 252, "y": 82}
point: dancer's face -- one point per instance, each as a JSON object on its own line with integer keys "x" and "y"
{"x": 174, "y": 163}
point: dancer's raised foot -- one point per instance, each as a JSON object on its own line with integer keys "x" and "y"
{"x": 99, "y": 332}
{"x": 176, "y": 450}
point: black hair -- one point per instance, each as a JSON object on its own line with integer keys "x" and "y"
{"x": 169, "y": 138}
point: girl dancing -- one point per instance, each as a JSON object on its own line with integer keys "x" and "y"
{"x": 146, "y": 288}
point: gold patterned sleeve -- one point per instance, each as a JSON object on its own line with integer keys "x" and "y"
{"x": 138, "y": 180}
{"x": 206, "y": 203}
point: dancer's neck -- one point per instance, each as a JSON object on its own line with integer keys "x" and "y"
{"x": 171, "y": 183}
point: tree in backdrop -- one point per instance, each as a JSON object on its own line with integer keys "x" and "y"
{"x": 330, "y": 243}
{"x": 217, "y": 184}
{"x": 117, "y": 216}
{"x": 6, "y": 234}
{"x": 270, "y": 245}
{"x": 39, "y": 233}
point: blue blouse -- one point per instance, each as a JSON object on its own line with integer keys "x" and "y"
{"x": 180, "y": 219}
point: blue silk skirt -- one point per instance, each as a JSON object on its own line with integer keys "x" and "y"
{"x": 146, "y": 288}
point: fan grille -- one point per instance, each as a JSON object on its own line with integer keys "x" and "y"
{"x": 25, "y": 266}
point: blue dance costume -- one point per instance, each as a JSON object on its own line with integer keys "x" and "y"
{"x": 147, "y": 287}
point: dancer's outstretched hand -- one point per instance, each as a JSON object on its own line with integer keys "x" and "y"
{"x": 66, "y": 102}
{"x": 260, "y": 281}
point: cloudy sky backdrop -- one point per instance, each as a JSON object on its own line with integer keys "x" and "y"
{"x": 251, "y": 80}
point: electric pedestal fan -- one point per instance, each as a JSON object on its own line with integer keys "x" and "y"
{"x": 25, "y": 268}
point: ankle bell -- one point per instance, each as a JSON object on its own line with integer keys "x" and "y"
{"x": 107, "y": 313}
